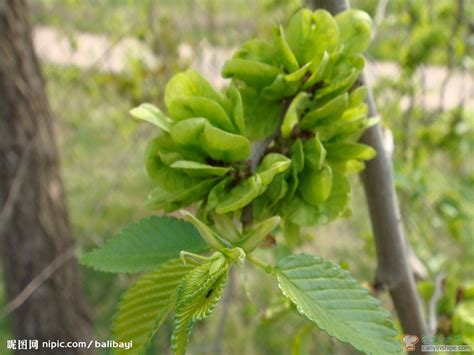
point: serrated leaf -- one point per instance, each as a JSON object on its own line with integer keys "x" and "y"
{"x": 331, "y": 298}
{"x": 144, "y": 245}
{"x": 146, "y": 305}
{"x": 196, "y": 297}
{"x": 152, "y": 114}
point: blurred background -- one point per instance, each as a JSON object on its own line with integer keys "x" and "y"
{"x": 100, "y": 58}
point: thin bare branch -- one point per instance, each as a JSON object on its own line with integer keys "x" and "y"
{"x": 432, "y": 314}
{"x": 37, "y": 281}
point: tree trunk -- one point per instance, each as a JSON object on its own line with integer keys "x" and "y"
{"x": 35, "y": 235}
{"x": 393, "y": 270}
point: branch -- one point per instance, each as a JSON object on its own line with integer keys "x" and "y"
{"x": 393, "y": 270}
{"x": 37, "y": 281}
{"x": 438, "y": 292}
{"x": 258, "y": 152}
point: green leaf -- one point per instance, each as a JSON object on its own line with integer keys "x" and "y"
{"x": 297, "y": 155}
{"x": 221, "y": 145}
{"x": 183, "y": 197}
{"x": 197, "y": 295}
{"x": 272, "y": 165}
{"x": 320, "y": 68}
{"x": 241, "y": 195}
{"x": 187, "y": 132}
{"x": 238, "y": 110}
{"x": 152, "y": 114}
{"x": 146, "y": 305}
{"x": 253, "y": 73}
{"x": 261, "y": 115}
{"x": 329, "y": 112}
{"x": 310, "y": 34}
{"x": 285, "y": 85}
{"x": 183, "y": 107}
{"x": 288, "y": 59}
{"x": 346, "y": 151}
{"x": 191, "y": 83}
{"x": 257, "y": 50}
{"x": 314, "y": 153}
{"x": 145, "y": 245}
{"x": 463, "y": 321}
{"x": 355, "y": 28}
{"x": 211, "y": 237}
{"x": 357, "y": 96}
{"x": 193, "y": 168}
{"x": 276, "y": 190}
{"x": 254, "y": 236}
{"x": 297, "y": 211}
{"x": 225, "y": 226}
{"x": 334, "y": 300}
{"x": 338, "y": 202}
{"x": 291, "y": 118}
{"x": 315, "y": 185}
{"x": 338, "y": 87}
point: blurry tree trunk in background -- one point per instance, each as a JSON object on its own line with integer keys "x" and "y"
{"x": 393, "y": 270}
{"x": 34, "y": 226}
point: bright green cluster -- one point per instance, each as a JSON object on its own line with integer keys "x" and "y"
{"x": 298, "y": 88}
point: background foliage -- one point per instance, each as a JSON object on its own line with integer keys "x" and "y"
{"x": 102, "y": 149}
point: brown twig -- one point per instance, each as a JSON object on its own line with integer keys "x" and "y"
{"x": 36, "y": 282}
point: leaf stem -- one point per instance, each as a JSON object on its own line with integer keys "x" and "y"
{"x": 267, "y": 267}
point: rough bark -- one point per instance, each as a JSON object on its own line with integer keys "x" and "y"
{"x": 34, "y": 227}
{"x": 393, "y": 269}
